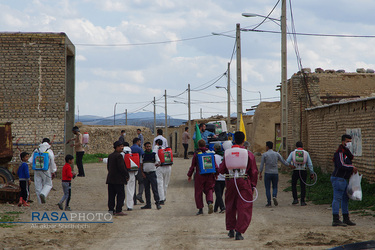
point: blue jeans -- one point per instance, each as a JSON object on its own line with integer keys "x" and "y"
{"x": 268, "y": 179}
{"x": 339, "y": 195}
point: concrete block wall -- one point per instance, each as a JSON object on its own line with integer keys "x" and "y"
{"x": 326, "y": 125}
{"x": 33, "y": 89}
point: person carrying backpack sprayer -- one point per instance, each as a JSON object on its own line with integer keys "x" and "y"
{"x": 44, "y": 166}
{"x": 203, "y": 182}
{"x": 240, "y": 167}
{"x": 163, "y": 172}
{"x": 299, "y": 158}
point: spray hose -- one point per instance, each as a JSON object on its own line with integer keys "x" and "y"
{"x": 239, "y": 193}
{"x": 309, "y": 185}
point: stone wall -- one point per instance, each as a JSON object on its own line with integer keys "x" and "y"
{"x": 321, "y": 88}
{"x": 33, "y": 89}
{"x": 102, "y": 137}
{"x": 327, "y": 124}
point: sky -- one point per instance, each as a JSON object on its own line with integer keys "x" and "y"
{"x": 128, "y": 52}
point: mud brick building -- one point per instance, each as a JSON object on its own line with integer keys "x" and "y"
{"x": 37, "y": 83}
{"x": 326, "y": 104}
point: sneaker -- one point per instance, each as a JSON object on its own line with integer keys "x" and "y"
{"x": 210, "y": 208}
{"x": 158, "y": 206}
{"x": 222, "y": 211}
{"x": 200, "y": 211}
{"x": 42, "y": 198}
{"x": 239, "y": 236}
{"x": 231, "y": 233}
{"x": 268, "y": 205}
{"x": 67, "y": 209}
{"x": 295, "y": 201}
{"x": 161, "y": 202}
{"x": 121, "y": 214}
{"x": 275, "y": 201}
{"x": 303, "y": 203}
{"x": 146, "y": 207}
{"x": 60, "y": 205}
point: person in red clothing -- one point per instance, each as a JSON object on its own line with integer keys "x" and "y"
{"x": 238, "y": 194}
{"x": 67, "y": 176}
{"x": 203, "y": 183}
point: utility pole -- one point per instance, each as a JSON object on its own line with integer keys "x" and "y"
{"x": 284, "y": 87}
{"x": 228, "y": 92}
{"x": 166, "y": 116}
{"x": 189, "y": 111}
{"x": 126, "y": 116}
{"x": 154, "y": 116}
{"x": 239, "y": 81}
{"x": 201, "y": 114}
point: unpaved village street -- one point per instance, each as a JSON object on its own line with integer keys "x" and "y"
{"x": 176, "y": 226}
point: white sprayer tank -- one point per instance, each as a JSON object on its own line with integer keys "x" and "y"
{"x": 236, "y": 158}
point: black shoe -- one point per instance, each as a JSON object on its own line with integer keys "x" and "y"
{"x": 268, "y": 205}
{"x": 238, "y": 236}
{"x": 130, "y": 209}
{"x": 303, "y": 203}
{"x": 186, "y": 158}
{"x": 140, "y": 200}
{"x": 161, "y": 202}
{"x": 146, "y": 207}
{"x": 200, "y": 211}
{"x": 158, "y": 206}
{"x": 222, "y": 211}
{"x": 215, "y": 210}
{"x": 347, "y": 221}
{"x": 231, "y": 233}
{"x": 295, "y": 201}
{"x": 275, "y": 201}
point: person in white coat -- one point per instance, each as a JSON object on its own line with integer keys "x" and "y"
{"x": 163, "y": 174}
{"x": 43, "y": 178}
{"x": 160, "y": 137}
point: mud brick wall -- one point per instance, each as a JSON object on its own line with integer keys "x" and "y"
{"x": 320, "y": 87}
{"x": 326, "y": 125}
{"x": 33, "y": 88}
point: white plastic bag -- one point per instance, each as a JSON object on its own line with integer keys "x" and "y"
{"x": 354, "y": 189}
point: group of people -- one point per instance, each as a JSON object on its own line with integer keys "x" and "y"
{"x": 151, "y": 174}
{"x": 239, "y": 177}
{"x": 44, "y": 166}
{"x": 240, "y": 187}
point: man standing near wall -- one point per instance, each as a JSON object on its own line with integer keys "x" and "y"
{"x": 185, "y": 141}
{"x": 140, "y": 136}
{"x": 161, "y": 137}
{"x": 122, "y": 136}
{"x": 339, "y": 178}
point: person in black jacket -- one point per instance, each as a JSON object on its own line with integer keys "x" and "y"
{"x": 116, "y": 179}
{"x": 339, "y": 178}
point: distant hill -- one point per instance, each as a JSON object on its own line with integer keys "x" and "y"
{"x": 136, "y": 119}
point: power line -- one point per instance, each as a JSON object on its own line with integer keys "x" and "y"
{"x": 312, "y": 34}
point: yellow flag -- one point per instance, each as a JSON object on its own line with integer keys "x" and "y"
{"x": 242, "y": 127}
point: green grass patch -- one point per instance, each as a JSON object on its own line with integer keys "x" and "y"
{"x": 8, "y": 217}
{"x": 322, "y": 193}
{"x": 93, "y": 158}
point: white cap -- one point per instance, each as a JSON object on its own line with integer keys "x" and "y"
{"x": 227, "y": 145}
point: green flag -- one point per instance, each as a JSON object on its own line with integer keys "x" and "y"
{"x": 197, "y": 136}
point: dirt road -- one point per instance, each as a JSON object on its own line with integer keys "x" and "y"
{"x": 176, "y": 226}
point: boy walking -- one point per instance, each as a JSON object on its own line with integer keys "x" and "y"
{"x": 148, "y": 168}
{"x": 24, "y": 178}
{"x": 67, "y": 176}
{"x": 163, "y": 175}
